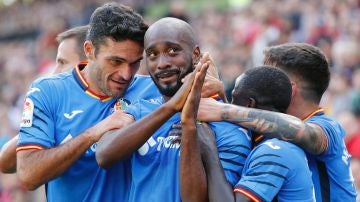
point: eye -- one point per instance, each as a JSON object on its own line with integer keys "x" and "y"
{"x": 115, "y": 62}
{"x": 172, "y": 51}
{"x": 150, "y": 53}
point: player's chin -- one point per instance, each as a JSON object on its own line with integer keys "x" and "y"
{"x": 119, "y": 92}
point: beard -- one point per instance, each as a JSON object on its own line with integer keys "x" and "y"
{"x": 169, "y": 90}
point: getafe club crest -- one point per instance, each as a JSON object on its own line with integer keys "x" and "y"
{"x": 121, "y": 104}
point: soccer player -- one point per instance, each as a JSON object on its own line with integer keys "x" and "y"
{"x": 275, "y": 169}
{"x": 306, "y": 125}
{"x": 71, "y": 48}
{"x": 171, "y": 52}
{"x": 66, "y": 114}
{"x": 70, "y": 53}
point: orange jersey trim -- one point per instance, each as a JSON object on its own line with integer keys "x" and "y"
{"x": 215, "y": 96}
{"x": 28, "y": 147}
{"x": 82, "y": 79}
{"x": 247, "y": 194}
{"x": 86, "y": 84}
{"x": 322, "y": 131}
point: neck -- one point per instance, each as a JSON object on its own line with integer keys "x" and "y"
{"x": 92, "y": 86}
{"x": 301, "y": 109}
{"x": 166, "y": 98}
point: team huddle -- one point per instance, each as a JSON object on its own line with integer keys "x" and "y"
{"x": 110, "y": 130}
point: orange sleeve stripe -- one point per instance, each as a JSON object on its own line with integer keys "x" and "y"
{"x": 247, "y": 194}
{"x": 215, "y": 96}
{"x": 27, "y": 147}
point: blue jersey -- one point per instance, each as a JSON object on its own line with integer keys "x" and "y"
{"x": 155, "y": 165}
{"x": 277, "y": 170}
{"x": 331, "y": 173}
{"x": 59, "y": 108}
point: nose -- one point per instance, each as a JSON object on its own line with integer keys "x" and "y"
{"x": 126, "y": 72}
{"x": 163, "y": 62}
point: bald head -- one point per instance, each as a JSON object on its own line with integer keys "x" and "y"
{"x": 171, "y": 52}
{"x": 176, "y": 28}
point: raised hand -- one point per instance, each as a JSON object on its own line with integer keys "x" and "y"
{"x": 178, "y": 100}
{"x": 189, "y": 111}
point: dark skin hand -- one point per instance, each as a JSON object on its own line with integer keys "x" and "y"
{"x": 193, "y": 185}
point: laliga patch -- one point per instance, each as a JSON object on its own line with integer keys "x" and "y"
{"x": 28, "y": 111}
{"x": 121, "y": 104}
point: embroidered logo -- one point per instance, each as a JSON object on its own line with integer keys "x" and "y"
{"x": 121, "y": 104}
{"x": 27, "y": 115}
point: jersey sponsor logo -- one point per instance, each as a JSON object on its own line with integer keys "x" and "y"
{"x": 66, "y": 139}
{"x": 246, "y": 133}
{"x": 27, "y": 115}
{"x": 121, "y": 104}
{"x": 168, "y": 142}
{"x": 92, "y": 149}
{"x": 73, "y": 114}
{"x": 271, "y": 145}
{"x": 32, "y": 90}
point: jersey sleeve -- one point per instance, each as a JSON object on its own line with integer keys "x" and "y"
{"x": 37, "y": 124}
{"x": 334, "y": 134}
{"x": 265, "y": 172}
{"x": 234, "y": 145}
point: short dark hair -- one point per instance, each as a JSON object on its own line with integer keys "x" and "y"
{"x": 77, "y": 33}
{"x": 302, "y": 61}
{"x": 269, "y": 86}
{"x": 118, "y": 22}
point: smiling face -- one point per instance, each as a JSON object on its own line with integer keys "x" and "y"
{"x": 169, "y": 56}
{"x": 111, "y": 70}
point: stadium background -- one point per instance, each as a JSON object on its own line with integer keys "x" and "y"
{"x": 234, "y": 31}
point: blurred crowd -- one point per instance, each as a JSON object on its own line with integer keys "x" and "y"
{"x": 235, "y": 35}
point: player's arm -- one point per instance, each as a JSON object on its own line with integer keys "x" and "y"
{"x": 193, "y": 185}
{"x": 37, "y": 165}
{"x": 271, "y": 124}
{"x": 242, "y": 198}
{"x": 8, "y": 156}
{"x": 119, "y": 144}
{"x": 213, "y": 85}
{"x": 219, "y": 189}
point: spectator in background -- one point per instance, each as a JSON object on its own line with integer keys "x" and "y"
{"x": 71, "y": 48}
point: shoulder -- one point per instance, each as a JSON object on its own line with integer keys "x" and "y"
{"x": 278, "y": 150}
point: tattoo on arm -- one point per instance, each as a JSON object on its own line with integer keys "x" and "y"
{"x": 278, "y": 125}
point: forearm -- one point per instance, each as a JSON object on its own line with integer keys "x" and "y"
{"x": 193, "y": 184}
{"x": 278, "y": 125}
{"x": 36, "y": 167}
{"x": 119, "y": 144}
{"x": 219, "y": 188}
{"x": 8, "y": 156}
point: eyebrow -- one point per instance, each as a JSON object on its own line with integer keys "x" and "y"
{"x": 167, "y": 43}
{"x": 123, "y": 59}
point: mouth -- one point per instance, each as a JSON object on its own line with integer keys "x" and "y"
{"x": 167, "y": 75}
{"x": 119, "y": 84}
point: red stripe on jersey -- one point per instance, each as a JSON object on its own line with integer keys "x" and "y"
{"x": 247, "y": 194}
{"x": 28, "y": 147}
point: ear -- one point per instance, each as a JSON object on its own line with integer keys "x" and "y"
{"x": 196, "y": 55}
{"x": 89, "y": 50}
{"x": 251, "y": 103}
{"x": 294, "y": 89}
